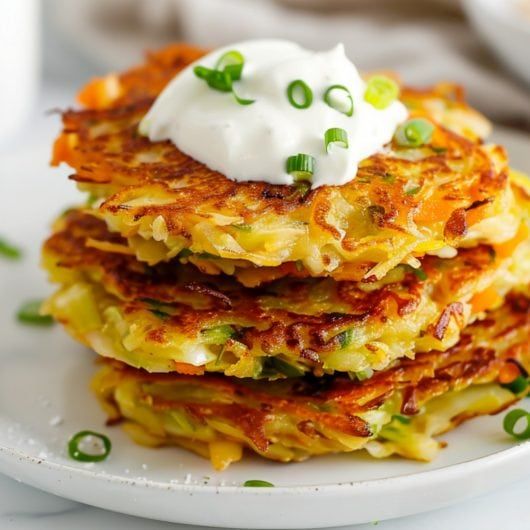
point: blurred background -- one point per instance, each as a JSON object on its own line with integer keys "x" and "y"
{"x": 50, "y": 47}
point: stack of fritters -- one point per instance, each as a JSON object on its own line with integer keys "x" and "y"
{"x": 372, "y": 315}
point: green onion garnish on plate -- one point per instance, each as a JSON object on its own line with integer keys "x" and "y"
{"x": 9, "y": 251}
{"x": 299, "y": 94}
{"x": 512, "y": 419}
{"x": 381, "y": 91}
{"x": 29, "y": 313}
{"x": 338, "y": 97}
{"x": 99, "y": 442}
{"x": 414, "y": 133}
{"x": 258, "y": 484}
{"x": 336, "y": 135}
{"x": 301, "y": 167}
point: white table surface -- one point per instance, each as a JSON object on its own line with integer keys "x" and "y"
{"x": 25, "y": 508}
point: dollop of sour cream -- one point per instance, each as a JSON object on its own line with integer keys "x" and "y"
{"x": 253, "y": 142}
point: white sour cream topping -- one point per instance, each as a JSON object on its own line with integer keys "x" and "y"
{"x": 253, "y": 142}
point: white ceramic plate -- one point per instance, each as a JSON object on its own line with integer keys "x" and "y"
{"x": 44, "y": 399}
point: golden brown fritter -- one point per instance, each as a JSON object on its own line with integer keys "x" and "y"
{"x": 170, "y": 317}
{"x": 403, "y": 203}
{"x": 398, "y": 410}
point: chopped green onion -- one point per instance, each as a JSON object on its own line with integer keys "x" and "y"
{"x": 77, "y": 454}
{"x": 518, "y": 385}
{"x": 413, "y": 191}
{"x": 258, "y": 484}
{"x": 220, "y": 81}
{"x": 414, "y": 133}
{"x": 91, "y": 200}
{"x": 345, "y": 338}
{"x": 331, "y": 99}
{"x": 510, "y": 421}
{"x": 243, "y": 101}
{"x": 160, "y": 314}
{"x": 184, "y": 253}
{"x": 206, "y": 255}
{"x": 277, "y": 365}
{"x": 9, "y": 251}
{"x": 389, "y": 178}
{"x": 299, "y": 94}
{"x": 216, "y": 79}
{"x": 363, "y": 375}
{"x": 228, "y": 69}
{"x": 439, "y": 150}
{"x": 152, "y": 301}
{"x": 402, "y": 419}
{"x": 381, "y": 91}
{"x": 29, "y": 313}
{"x": 336, "y": 135}
{"x": 243, "y": 227}
{"x": 231, "y": 62}
{"x": 157, "y": 308}
{"x": 300, "y": 166}
{"x": 218, "y": 334}
{"x": 418, "y": 272}
{"x": 202, "y": 72}
{"x": 301, "y": 188}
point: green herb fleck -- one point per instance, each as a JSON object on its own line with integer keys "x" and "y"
{"x": 184, "y": 253}
{"x": 29, "y": 313}
{"x": 275, "y": 365}
{"x": 512, "y": 419}
{"x": 77, "y": 454}
{"x": 413, "y": 191}
{"x": 439, "y": 150}
{"x": 517, "y": 386}
{"x": 402, "y": 419}
{"x": 91, "y": 200}
{"x": 243, "y": 227}
{"x": 9, "y": 251}
{"x": 218, "y": 334}
{"x": 207, "y": 255}
{"x": 418, "y": 272}
{"x": 258, "y": 484}
{"x": 345, "y": 338}
{"x": 160, "y": 314}
{"x": 363, "y": 375}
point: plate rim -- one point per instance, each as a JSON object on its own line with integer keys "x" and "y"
{"x": 464, "y": 467}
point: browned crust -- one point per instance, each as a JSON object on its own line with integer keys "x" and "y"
{"x": 336, "y": 402}
{"x": 108, "y": 150}
{"x": 206, "y": 299}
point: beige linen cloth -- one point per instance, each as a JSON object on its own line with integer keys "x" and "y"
{"x": 424, "y": 41}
